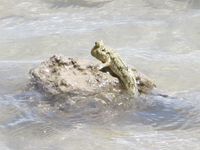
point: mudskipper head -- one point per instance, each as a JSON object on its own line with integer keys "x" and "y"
{"x": 99, "y": 52}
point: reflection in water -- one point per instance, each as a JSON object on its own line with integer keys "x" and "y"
{"x": 156, "y": 111}
{"x": 50, "y": 119}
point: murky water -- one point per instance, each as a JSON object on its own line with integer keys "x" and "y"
{"x": 160, "y": 38}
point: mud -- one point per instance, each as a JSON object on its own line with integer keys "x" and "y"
{"x": 62, "y": 75}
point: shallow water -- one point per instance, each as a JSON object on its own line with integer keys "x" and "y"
{"x": 161, "y": 39}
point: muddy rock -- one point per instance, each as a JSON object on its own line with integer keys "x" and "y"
{"x": 60, "y": 74}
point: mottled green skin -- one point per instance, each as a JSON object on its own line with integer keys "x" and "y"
{"x": 118, "y": 67}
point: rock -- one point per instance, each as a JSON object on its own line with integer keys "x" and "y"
{"x": 145, "y": 85}
{"x": 61, "y": 75}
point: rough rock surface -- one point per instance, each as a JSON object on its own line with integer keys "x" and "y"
{"x": 60, "y": 75}
{"x": 67, "y": 75}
